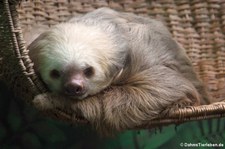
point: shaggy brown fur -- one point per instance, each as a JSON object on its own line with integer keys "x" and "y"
{"x": 149, "y": 74}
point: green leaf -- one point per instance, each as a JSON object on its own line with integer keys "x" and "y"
{"x": 2, "y": 131}
{"x": 156, "y": 140}
{"x": 126, "y": 140}
{"x": 49, "y": 132}
{"x": 205, "y": 131}
{"x": 14, "y": 117}
{"x": 31, "y": 141}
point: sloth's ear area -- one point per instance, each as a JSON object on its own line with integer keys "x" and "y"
{"x": 34, "y": 51}
{"x": 34, "y": 39}
{"x": 30, "y": 34}
{"x": 35, "y": 48}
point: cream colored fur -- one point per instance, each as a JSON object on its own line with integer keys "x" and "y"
{"x": 141, "y": 71}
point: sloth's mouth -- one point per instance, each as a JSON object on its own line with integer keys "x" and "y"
{"x": 79, "y": 117}
{"x": 78, "y": 98}
{"x": 70, "y": 116}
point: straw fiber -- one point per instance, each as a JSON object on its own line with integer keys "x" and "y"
{"x": 198, "y": 25}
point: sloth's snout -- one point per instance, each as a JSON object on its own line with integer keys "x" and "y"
{"x": 75, "y": 88}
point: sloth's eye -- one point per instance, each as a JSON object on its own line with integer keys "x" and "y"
{"x": 55, "y": 74}
{"x": 89, "y": 71}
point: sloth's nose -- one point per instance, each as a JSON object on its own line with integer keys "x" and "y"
{"x": 74, "y": 88}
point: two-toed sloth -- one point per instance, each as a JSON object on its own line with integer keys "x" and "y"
{"x": 117, "y": 70}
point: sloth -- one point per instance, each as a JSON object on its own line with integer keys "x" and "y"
{"x": 116, "y": 70}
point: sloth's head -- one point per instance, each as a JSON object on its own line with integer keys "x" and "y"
{"x": 76, "y": 60}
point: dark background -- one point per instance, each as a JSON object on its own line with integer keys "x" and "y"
{"x": 22, "y": 127}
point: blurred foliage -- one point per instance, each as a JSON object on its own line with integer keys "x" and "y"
{"x": 22, "y": 127}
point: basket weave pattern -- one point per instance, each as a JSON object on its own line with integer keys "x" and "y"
{"x": 198, "y": 25}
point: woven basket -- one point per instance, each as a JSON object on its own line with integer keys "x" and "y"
{"x": 199, "y": 25}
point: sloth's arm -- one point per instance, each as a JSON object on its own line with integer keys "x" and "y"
{"x": 143, "y": 96}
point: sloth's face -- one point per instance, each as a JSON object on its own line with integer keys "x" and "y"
{"x": 73, "y": 60}
{"x": 74, "y": 80}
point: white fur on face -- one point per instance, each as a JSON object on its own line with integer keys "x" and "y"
{"x": 78, "y": 45}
